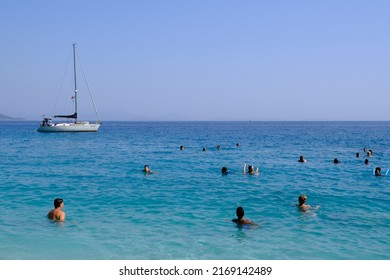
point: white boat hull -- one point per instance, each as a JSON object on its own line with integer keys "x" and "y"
{"x": 70, "y": 127}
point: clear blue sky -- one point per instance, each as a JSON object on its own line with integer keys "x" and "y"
{"x": 201, "y": 60}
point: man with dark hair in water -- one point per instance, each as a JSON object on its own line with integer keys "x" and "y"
{"x": 240, "y": 217}
{"x": 57, "y": 214}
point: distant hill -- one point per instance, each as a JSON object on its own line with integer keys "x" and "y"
{"x": 8, "y": 118}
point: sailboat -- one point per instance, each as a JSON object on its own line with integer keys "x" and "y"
{"x": 73, "y": 124}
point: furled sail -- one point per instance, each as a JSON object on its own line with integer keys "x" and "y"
{"x": 74, "y": 116}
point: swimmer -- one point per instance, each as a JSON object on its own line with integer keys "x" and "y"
{"x": 358, "y": 154}
{"x": 240, "y": 217}
{"x": 218, "y": 147}
{"x": 147, "y": 169}
{"x": 336, "y": 161}
{"x": 378, "y": 171}
{"x": 181, "y": 148}
{"x": 57, "y": 214}
{"x": 366, "y": 161}
{"x": 225, "y": 170}
{"x": 301, "y": 159}
{"x": 304, "y": 207}
{"x": 251, "y": 169}
{"x": 238, "y": 144}
{"x": 204, "y": 149}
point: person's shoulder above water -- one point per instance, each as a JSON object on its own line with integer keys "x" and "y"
{"x": 242, "y": 221}
{"x": 57, "y": 214}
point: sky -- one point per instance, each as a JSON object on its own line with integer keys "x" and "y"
{"x": 217, "y": 60}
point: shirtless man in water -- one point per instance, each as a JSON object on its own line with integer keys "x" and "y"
{"x": 57, "y": 214}
{"x": 240, "y": 217}
{"x": 304, "y": 207}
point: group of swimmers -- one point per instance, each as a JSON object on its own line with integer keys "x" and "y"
{"x": 302, "y": 206}
{"x": 252, "y": 170}
{"x": 58, "y": 214}
{"x": 377, "y": 170}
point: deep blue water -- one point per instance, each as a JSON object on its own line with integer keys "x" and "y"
{"x": 184, "y": 211}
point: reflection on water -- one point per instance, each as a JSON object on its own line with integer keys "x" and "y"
{"x": 240, "y": 234}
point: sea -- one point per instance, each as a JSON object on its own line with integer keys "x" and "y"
{"x": 183, "y": 210}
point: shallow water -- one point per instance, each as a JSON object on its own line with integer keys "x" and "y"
{"x": 115, "y": 211}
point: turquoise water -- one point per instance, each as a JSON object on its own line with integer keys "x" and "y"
{"x": 115, "y": 211}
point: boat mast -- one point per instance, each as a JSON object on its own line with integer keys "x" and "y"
{"x": 75, "y": 82}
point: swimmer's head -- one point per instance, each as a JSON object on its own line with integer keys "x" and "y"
{"x": 146, "y": 168}
{"x": 251, "y": 169}
{"x": 240, "y": 212}
{"x": 57, "y": 202}
{"x": 224, "y": 170}
{"x": 302, "y": 199}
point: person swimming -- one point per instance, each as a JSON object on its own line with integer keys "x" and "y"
{"x": 366, "y": 161}
{"x": 225, "y": 170}
{"x": 378, "y": 171}
{"x": 240, "y": 217}
{"x": 305, "y": 207}
{"x": 251, "y": 169}
{"x": 181, "y": 148}
{"x": 57, "y": 214}
{"x": 146, "y": 169}
{"x": 336, "y": 161}
{"x": 302, "y": 159}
